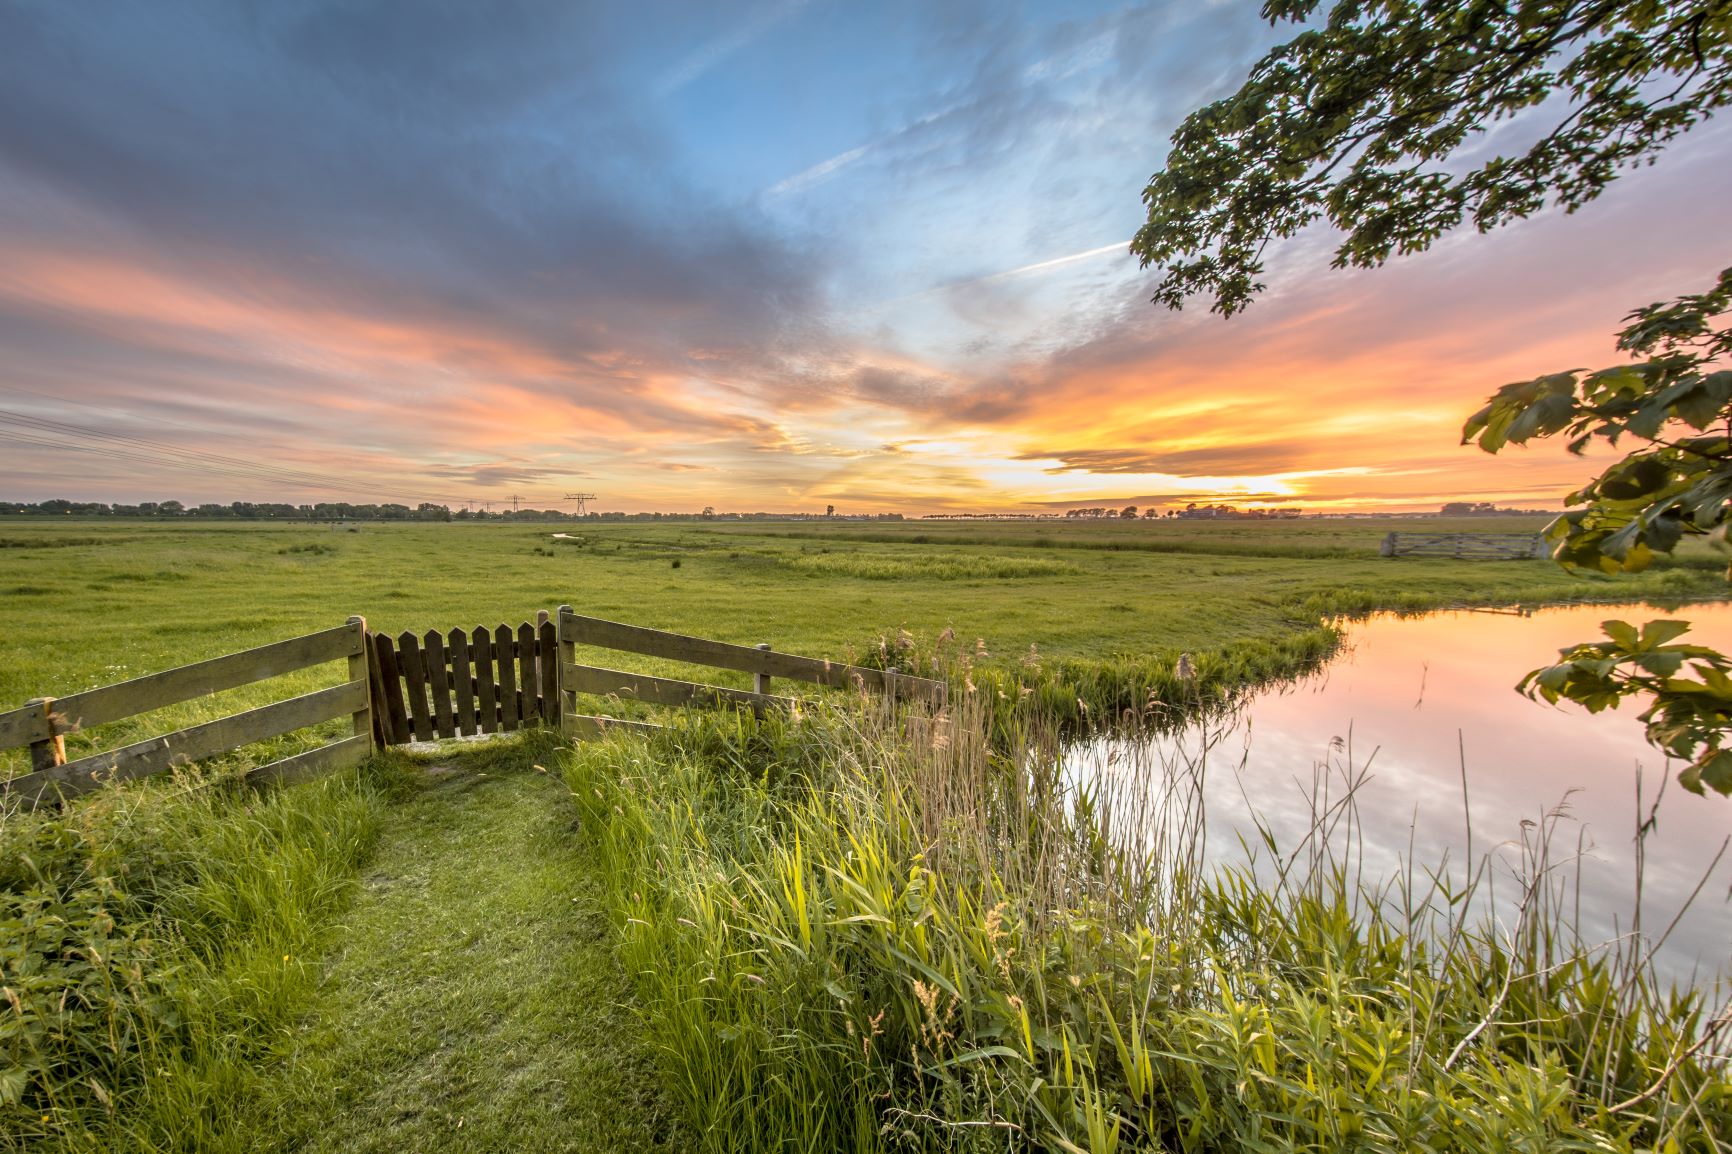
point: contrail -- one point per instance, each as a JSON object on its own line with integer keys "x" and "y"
{"x": 1121, "y": 246}
{"x": 1005, "y": 274}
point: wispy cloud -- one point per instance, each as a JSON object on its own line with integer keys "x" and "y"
{"x": 817, "y": 174}
{"x": 713, "y": 52}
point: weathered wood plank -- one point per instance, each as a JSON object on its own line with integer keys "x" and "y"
{"x": 92, "y": 707}
{"x": 584, "y": 727}
{"x": 390, "y": 679}
{"x": 24, "y": 725}
{"x": 381, "y": 710}
{"x": 761, "y": 681}
{"x": 481, "y": 647}
{"x": 415, "y": 685}
{"x": 528, "y": 676}
{"x": 701, "y": 651}
{"x": 49, "y": 751}
{"x": 505, "y": 665}
{"x": 1467, "y": 546}
{"x": 360, "y": 669}
{"x": 313, "y": 763}
{"x": 433, "y": 656}
{"x": 661, "y": 690}
{"x": 144, "y": 758}
{"x": 547, "y": 658}
{"x": 567, "y": 656}
{"x": 461, "y": 683}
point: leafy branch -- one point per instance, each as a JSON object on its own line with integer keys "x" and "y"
{"x": 1353, "y": 121}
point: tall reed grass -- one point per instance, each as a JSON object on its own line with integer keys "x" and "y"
{"x": 155, "y": 944}
{"x": 870, "y": 932}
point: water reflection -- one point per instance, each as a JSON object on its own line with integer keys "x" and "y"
{"x": 1421, "y": 702}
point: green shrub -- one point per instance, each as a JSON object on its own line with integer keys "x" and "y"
{"x": 153, "y": 942}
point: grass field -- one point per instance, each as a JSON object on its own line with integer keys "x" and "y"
{"x": 443, "y": 975}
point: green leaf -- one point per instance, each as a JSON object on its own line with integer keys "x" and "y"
{"x": 1656, "y": 633}
{"x": 1715, "y": 772}
{"x": 1623, "y": 633}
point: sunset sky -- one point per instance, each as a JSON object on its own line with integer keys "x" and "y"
{"x": 761, "y": 256}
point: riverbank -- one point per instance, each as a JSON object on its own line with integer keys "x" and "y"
{"x": 847, "y": 936}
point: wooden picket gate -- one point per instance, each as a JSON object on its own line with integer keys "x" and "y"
{"x": 465, "y": 682}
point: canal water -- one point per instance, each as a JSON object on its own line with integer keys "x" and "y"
{"x": 1417, "y": 706}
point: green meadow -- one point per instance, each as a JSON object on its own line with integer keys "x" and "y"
{"x": 91, "y": 602}
{"x": 834, "y": 931}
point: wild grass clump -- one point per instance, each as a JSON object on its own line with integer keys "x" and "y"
{"x": 155, "y": 942}
{"x": 924, "y": 567}
{"x": 1082, "y": 694}
{"x": 865, "y": 933}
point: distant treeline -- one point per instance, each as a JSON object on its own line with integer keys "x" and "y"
{"x": 342, "y": 511}
{"x": 1487, "y": 509}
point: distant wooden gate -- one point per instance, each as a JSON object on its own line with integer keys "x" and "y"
{"x": 465, "y": 682}
{"x": 1466, "y": 546}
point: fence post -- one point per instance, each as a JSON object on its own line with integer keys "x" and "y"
{"x": 761, "y": 681}
{"x": 361, "y": 669}
{"x": 567, "y": 656}
{"x": 49, "y": 751}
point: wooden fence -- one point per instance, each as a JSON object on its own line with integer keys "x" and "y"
{"x": 1467, "y": 546}
{"x": 411, "y": 687}
{"x": 763, "y": 662}
{"x": 44, "y": 723}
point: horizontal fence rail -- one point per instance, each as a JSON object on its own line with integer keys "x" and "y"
{"x": 1468, "y": 546}
{"x": 45, "y": 722}
{"x": 575, "y": 629}
{"x": 661, "y": 690}
{"x": 763, "y": 662}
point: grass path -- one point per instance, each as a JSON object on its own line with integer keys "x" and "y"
{"x": 473, "y": 1002}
